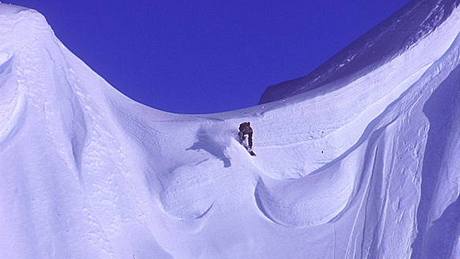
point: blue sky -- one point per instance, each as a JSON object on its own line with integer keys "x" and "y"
{"x": 207, "y": 56}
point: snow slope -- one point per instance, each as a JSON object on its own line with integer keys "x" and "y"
{"x": 362, "y": 167}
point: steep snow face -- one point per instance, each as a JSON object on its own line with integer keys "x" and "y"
{"x": 360, "y": 168}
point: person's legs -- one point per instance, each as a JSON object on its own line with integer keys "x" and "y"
{"x": 250, "y": 140}
{"x": 244, "y": 140}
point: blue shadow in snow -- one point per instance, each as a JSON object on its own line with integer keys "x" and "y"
{"x": 437, "y": 239}
{"x": 208, "y": 144}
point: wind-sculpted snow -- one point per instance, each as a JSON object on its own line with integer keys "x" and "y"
{"x": 11, "y": 100}
{"x": 359, "y": 168}
{"x": 378, "y": 46}
{"x": 314, "y": 199}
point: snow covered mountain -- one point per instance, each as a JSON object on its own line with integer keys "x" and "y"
{"x": 357, "y": 160}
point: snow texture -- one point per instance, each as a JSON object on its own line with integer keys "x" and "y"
{"x": 357, "y": 160}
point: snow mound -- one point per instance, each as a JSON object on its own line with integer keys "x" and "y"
{"x": 357, "y": 160}
{"x": 190, "y": 192}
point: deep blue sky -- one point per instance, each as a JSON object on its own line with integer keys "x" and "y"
{"x": 207, "y": 56}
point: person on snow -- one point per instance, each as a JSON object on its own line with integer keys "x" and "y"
{"x": 246, "y": 134}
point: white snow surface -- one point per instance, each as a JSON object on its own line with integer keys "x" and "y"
{"x": 360, "y": 168}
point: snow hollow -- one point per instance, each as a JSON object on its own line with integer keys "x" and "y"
{"x": 359, "y": 159}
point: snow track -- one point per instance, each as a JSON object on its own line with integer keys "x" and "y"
{"x": 364, "y": 166}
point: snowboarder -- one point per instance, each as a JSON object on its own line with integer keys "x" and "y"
{"x": 245, "y": 135}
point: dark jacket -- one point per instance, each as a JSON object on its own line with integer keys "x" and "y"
{"x": 245, "y": 129}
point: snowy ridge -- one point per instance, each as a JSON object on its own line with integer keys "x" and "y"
{"x": 394, "y": 36}
{"x": 342, "y": 171}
